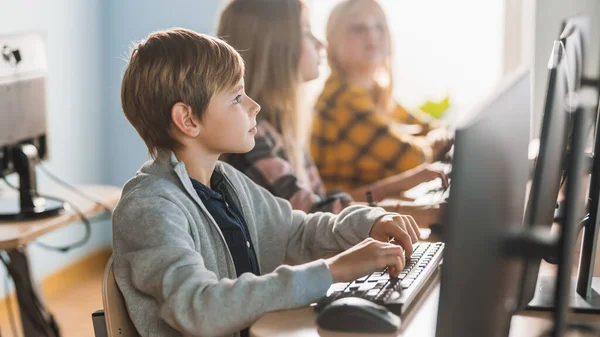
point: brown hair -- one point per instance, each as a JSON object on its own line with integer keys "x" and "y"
{"x": 383, "y": 90}
{"x": 268, "y": 35}
{"x": 171, "y": 66}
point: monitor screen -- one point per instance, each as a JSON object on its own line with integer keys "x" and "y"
{"x": 489, "y": 177}
{"x": 23, "y": 72}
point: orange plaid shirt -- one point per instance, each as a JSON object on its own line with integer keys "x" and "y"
{"x": 354, "y": 145}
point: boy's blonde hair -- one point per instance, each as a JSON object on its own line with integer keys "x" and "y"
{"x": 171, "y": 66}
{"x": 337, "y": 21}
{"x": 268, "y": 35}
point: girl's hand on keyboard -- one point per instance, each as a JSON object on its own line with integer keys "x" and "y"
{"x": 427, "y": 172}
{"x": 441, "y": 141}
{"x": 364, "y": 258}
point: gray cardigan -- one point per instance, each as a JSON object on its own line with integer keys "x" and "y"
{"x": 176, "y": 274}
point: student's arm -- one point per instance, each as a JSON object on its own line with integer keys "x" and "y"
{"x": 437, "y": 135}
{"x": 400, "y": 114}
{"x": 266, "y": 168}
{"x": 155, "y": 255}
{"x": 394, "y": 186}
{"x": 315, "y": 235}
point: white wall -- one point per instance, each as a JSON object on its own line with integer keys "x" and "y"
{"x": 73, "y": 29}
{"x": 547, "y": 16}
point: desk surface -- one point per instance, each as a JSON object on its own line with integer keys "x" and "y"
{"x": 420, "y": 319}
{"x": 19, "y": 233}
{"x": 301, "y": 322}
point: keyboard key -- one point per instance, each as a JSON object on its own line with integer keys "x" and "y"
{"x": 366, "y": 286}
{"x": 362, "y": 279}
{"x": 380, "y": 285}
{"x": 372, "y": 292}
{"x": 394, "y": 295}
{"x": 406, "y": 283}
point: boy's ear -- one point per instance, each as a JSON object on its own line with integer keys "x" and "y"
{"x": 184, "y": 119}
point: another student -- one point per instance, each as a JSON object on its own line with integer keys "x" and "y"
{"x": 281, "y": 54}
{"x": 360, "y": 134}
{"x": 198, "y": 247}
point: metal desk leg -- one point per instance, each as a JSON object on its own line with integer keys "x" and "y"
{"x": 36, "y": 319}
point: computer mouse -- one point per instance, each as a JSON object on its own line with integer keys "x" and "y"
{"x": 354, "y": 314}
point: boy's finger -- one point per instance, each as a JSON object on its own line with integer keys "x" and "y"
{"x": 402, "y": 238}
{"x": 415, "y": 228}
{"x": 410, "y": 228}
{"x": 396, "y": 267}
{"x": 393, "y": 250}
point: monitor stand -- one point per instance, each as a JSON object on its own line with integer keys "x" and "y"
{"x": 30, "y": 205}
{"x": 543, "y": 300}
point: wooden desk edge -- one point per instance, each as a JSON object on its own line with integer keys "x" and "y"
{"x": 62, "y": 220}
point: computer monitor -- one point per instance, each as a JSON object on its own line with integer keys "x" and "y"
{"x": 549, "y": 165}
{"x": 23, "y": 68}
{"x": 565, "y": 90}
{"x": 576, "y": 206}
{"x": 489, "y": 177}
{"x": 575, "y": 38}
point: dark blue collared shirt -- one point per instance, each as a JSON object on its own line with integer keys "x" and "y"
{"x": 231, "y": 222}
{"x": 221, "y": 206}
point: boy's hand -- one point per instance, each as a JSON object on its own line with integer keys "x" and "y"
{"x": 366, "y": 257}
{"x": 402, "y": 229}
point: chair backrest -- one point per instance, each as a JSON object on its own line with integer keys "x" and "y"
{"x": 118, "y": 323}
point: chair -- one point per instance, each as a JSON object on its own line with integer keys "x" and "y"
{"x": 118, "y": 323}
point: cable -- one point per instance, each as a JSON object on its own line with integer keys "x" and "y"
{"x": 11, "y": 317}
{"x": 69, "y": 206}
{"x": 73, "y": 188}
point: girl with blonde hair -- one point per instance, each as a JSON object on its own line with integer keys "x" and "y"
{"x": 361, "y": 137}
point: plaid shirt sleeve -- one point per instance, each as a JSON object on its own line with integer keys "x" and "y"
{"x": 401, "y": 115}
{"x": 353, "y": 145}
{"x": 268, "y": 166}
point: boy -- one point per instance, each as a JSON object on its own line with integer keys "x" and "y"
{"x": 198, "y": 247}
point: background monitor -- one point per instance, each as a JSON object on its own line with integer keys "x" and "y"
{"x": 565, "y": 93}
{"x": 23, "y": 71}
{"x": 549, "y": 165}
{"x": 489, "y": 176}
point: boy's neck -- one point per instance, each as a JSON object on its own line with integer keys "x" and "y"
{"x": 199, "y": 166}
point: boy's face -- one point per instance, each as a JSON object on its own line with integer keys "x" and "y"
{"x": 229, "y": 123}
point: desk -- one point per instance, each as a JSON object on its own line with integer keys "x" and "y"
{"x": 18, "y": 234}
{"x": 14, "y": 236}
{"x": 419, "y": 321}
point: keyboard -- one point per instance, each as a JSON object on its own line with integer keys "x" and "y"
{"x": 396, "y": 294}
